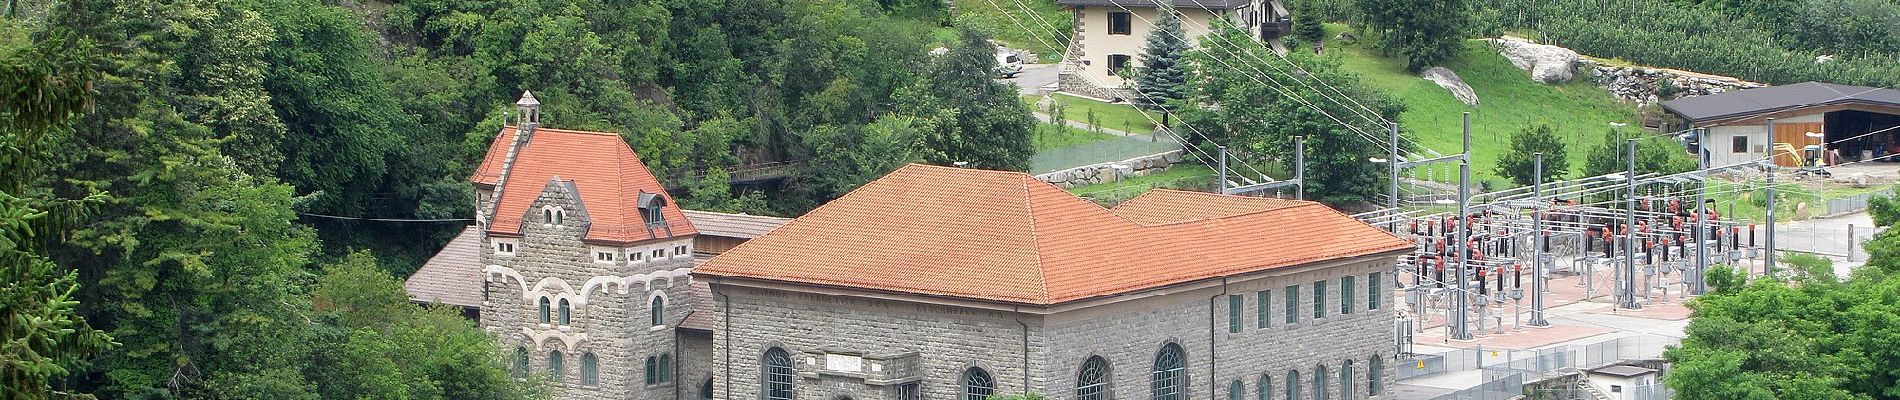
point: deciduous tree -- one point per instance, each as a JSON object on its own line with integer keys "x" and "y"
{"x": 1541, "y": 138}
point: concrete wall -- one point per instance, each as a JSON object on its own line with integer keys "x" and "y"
{"x": 610, "y": 315}
{"x": 1129, "y": 334}
{"x": 1093, "y": 45}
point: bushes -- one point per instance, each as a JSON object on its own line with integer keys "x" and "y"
{"x": 1685, "y": 36}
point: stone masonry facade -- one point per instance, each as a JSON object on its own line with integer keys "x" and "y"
{"x": 610, "y": 301}
{"x": 861, "y": 345}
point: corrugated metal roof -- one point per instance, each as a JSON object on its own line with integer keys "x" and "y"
{"x": 454, "y": 275}
{"x": 742, "y": 226}
{"x": 1200, "y": 4}
{"x": 1747, "y": 102}
{"x": 1007, "y": 237}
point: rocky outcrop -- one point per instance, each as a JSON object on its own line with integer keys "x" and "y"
{"x": 1546, "y": 63}
{"x": 1645, "y": 86}
{"x": 1112, "y": 171}
{"x": 1450, "y": 81}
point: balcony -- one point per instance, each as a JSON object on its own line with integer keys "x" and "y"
{"x": 1276, "y": 28}
{"x": 873, "y": 369}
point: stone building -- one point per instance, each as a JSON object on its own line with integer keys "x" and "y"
{"x": 1109, "y": 35}
{"x": 945, "y": 283}
{"x": 585, "y": 262}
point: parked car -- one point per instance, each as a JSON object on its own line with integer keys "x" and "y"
{"x": 1009, "y": 64}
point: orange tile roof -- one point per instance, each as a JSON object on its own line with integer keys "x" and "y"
{"x": 1007, "y": 237}
{"x": 608, "y": 175}
{"x": 1164, "y": 206}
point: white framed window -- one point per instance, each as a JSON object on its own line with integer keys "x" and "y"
{"x": 603, "y": 256}
{"x": 504, "y": 247}
{"x": 553, "y": 215}
{"x": 636, "y": 255}
{"x": 679, "y": 250}
{"x": 659, "y": 254}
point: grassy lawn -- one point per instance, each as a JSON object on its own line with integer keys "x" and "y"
{"x": 1123, "y": 117}
{"x": 1508, "y": 102}
{"x": 1743, "y": 201}
{"x": 1051, "y": 136}
{"x": 1187, "y": 176}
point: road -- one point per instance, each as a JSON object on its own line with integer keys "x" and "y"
{"x": 1033, "y": 78}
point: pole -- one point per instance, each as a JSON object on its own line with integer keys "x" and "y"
{"x": 1223, "y": 168}
{"x": 1463, "y": 328}
{"x": 1768, "y": 257}
{"x": 1701, "y": 285}
{"x": 1629, "y": 236}
{"x": 1538, "y": 240}
{"x": 1392, "y": 203}
{"x": 1299, "y": 168}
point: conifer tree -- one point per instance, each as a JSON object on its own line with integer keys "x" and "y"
{"x": 1160, "y": 80}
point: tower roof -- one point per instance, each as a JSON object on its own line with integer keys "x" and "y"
{"x": 1007, "y": 237}
{"x": 608, "y": 176}
{"x": 527, "y": 100}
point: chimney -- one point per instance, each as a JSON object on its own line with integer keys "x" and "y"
{"x": 528, "y": 118}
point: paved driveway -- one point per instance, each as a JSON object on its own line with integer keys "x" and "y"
{"x": 1033, "y": 78}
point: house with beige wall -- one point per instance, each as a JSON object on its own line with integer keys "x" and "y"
{"x": 1109, "y": 35}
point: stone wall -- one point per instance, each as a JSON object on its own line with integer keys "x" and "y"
{"x": 610, "y": 305}
{"x": 1073, "y": 82}
{"x": 1641, "y": 85}
{"x": 1112, "y": 171}
{"x": 1129, "y": 334}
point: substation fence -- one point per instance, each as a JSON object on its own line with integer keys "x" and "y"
{"x": 1855, "y": 203}
{"x": 1506, "y": 373}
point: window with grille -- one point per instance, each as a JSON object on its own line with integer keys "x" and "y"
{"x": 1235, "y": 303}
{"x": 666, "y": 368}
{"x": 977, "y": 384}
{"x": 1319, "y": 299}
{"x": 1263, "y": 302}
{"x": 910, "y": 391}
{"x": 1372, "y": 291}
{"x": 1345, "y": 295}
{"x": 604, "y": 256}
{"x": 777, "y": 367}
{"x": 1092, "y": 382}
{"x": 1292, "y": 304}
{"x": 590, "y": 369}
{"x": 1120, "y": 23}
{"x": 1169, "y": 379}
{"x": 653, "y": 370}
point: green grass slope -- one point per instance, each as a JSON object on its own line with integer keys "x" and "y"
{"x": 1508, "y": 102}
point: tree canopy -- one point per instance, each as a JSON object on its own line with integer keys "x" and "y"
{"x": 1517, "y": 164}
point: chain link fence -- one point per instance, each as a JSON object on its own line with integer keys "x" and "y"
{"x": 1505, "y": 372}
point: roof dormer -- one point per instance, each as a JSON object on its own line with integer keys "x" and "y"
{"x": 651, "y": 206}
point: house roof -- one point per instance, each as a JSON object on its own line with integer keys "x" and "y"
{"x": 1746, "y": 102}
{"x": 1625, "y": 371}
{"x": 742, "y": 226}
{"x": 1198, "y": 4}
{"x": 1008, "y": 237}
{"x": 701, "y": 315}
{"x": 607, "y": 175}
{"x": 453, "y": 276}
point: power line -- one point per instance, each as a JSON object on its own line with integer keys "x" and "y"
{"x": 384, "y": 219}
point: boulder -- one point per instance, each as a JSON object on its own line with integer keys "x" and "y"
{"x": 1546, "y": 63}
{"x": 1450, "y": 81}
{"x": 1047, "y": 105}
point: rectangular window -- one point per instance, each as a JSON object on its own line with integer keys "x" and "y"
{"x": 504, "y": 248}
{"x": 909, "y": 391}
{"x": 679, "y": 250}
{"x": 659, "y": 254}
{"x": 1120, "y": 23}
{"x": 1738, "y": 144}
{"x": 604, "y": 256}
{"x": 1372, "y": 291}
{"x": 1319, "y": 299}
{"x": 1235, "y": 303}
{"x": 1266, "y": 303}
{"x": 1117, "y": 63}
{"x": 635, "y": 255}
{"x": 1292, "y": 304}
{"x": 1345, "y": 295}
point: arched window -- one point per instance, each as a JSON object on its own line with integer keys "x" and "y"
{"x": 659, "y": 311}
{"x": 521, "y": 361}
{"x": 590, "y": 369}
{"x": 564, "y": 311}
{"x": 1347, "y": 386}
{"x": 1265, "y": 387}
{"x": 1236, "y": 390}
{"x": 554, "y": 366}
{"x": 977, "y": 384}
{"x": 1319, "y": 383}
{"x": 666, "y": 368}
{"x": 544, "y": 309}
{"x": 705, "y": 389}
{"x": 1092, "y": 382}
{"x": 559, "y": 216}
{"x": 653, "y": 370}
{"x": 1170, "y": 375}
{"x": 1375, "y": 371}
{"x": 547, "y": 215}
{"x": 778, "y": 375}
{"x": 1293, "y": 385}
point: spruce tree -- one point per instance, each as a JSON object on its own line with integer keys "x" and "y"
{"x": 1160, "y": 80}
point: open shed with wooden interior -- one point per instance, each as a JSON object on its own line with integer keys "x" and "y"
{"x": 1856, "y": 121}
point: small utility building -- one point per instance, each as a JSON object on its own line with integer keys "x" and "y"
{"x": 1841, "y": 115}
